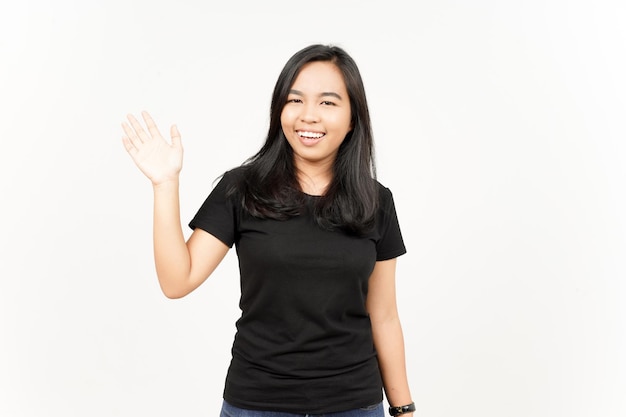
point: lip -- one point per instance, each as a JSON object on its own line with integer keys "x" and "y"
{"x": 310, "y": 141}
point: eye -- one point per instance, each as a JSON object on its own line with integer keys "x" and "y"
{"x": 327, "y": 103}
{"x": 294, "y": 100}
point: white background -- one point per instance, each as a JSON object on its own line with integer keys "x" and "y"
{"x": 500, "y": 129}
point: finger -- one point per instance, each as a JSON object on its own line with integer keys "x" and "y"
{"x": 175, "y": 134}
{"x": 128, "y": 145}
{"x": 130, "y": 133}
{"x": 152, "y": 127}
{"x": 138, "y": 128}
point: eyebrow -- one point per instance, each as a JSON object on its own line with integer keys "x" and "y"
{"x": 325, "y": 93}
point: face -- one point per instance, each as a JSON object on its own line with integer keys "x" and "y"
{"x": 317, "y": 116}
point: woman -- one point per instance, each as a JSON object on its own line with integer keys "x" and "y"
{"x": 317, "y": 239}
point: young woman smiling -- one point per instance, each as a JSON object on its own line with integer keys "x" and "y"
{"x": 317, "y": 238}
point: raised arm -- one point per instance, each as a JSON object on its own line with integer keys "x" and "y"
{"x": 181, "y": 266}
{"x": 387, "y": 331}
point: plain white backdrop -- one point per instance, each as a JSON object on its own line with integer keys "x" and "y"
{"x": 499, "y": 126}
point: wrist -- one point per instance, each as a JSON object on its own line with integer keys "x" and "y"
{"x": 165, "y": 184}
{"x": 402, "y": 410}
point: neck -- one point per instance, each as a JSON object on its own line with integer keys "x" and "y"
{"x": 314, "y": 179}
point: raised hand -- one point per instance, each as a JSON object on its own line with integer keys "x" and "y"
{"x": 159, "y": 160}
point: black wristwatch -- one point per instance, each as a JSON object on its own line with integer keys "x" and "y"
{"x": 403, "y": 409}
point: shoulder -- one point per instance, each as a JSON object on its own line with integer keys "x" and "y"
{"x": 382, "y": 189}
{"x": 234, "y": 175}
{"x": 231, "y": 180}
{"x": 385, "y": 196}
{"x": 226, "y": 185}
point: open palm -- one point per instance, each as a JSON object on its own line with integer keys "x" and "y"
{"x": 159, "y": 160}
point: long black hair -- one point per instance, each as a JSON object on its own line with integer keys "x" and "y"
{"x": 269, "y": 187}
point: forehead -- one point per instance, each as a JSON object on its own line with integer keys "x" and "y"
{"x": 320, "y": 76}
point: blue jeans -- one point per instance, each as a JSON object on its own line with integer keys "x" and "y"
{"x": 375, "y": 410}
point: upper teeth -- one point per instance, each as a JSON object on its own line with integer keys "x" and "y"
{"x": 311, "y": 135}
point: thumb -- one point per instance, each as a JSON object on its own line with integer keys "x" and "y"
{"x": 175, "y": 134}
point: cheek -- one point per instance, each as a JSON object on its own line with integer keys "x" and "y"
{"x": 340, "y": 119}
{"x": 285, "y": 118}
{"x": 343, "y": 122}
{"x": 286, "y": 125}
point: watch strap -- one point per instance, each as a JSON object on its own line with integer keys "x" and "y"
{"x": 403, "y": 409}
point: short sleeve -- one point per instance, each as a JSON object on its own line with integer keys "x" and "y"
{"x": 390, "y": 243}
{"x": 217, "y": 215}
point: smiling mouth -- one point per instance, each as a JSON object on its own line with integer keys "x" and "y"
{"x": 310, "y": 135}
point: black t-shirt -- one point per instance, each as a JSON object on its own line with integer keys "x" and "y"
{"x": 304, "y": 341}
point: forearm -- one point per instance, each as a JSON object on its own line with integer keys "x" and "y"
{"x": 171, "y": 254}
{"x": 389, "y": 342}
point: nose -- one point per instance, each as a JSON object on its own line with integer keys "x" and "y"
{"x": 310, "y": 113}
